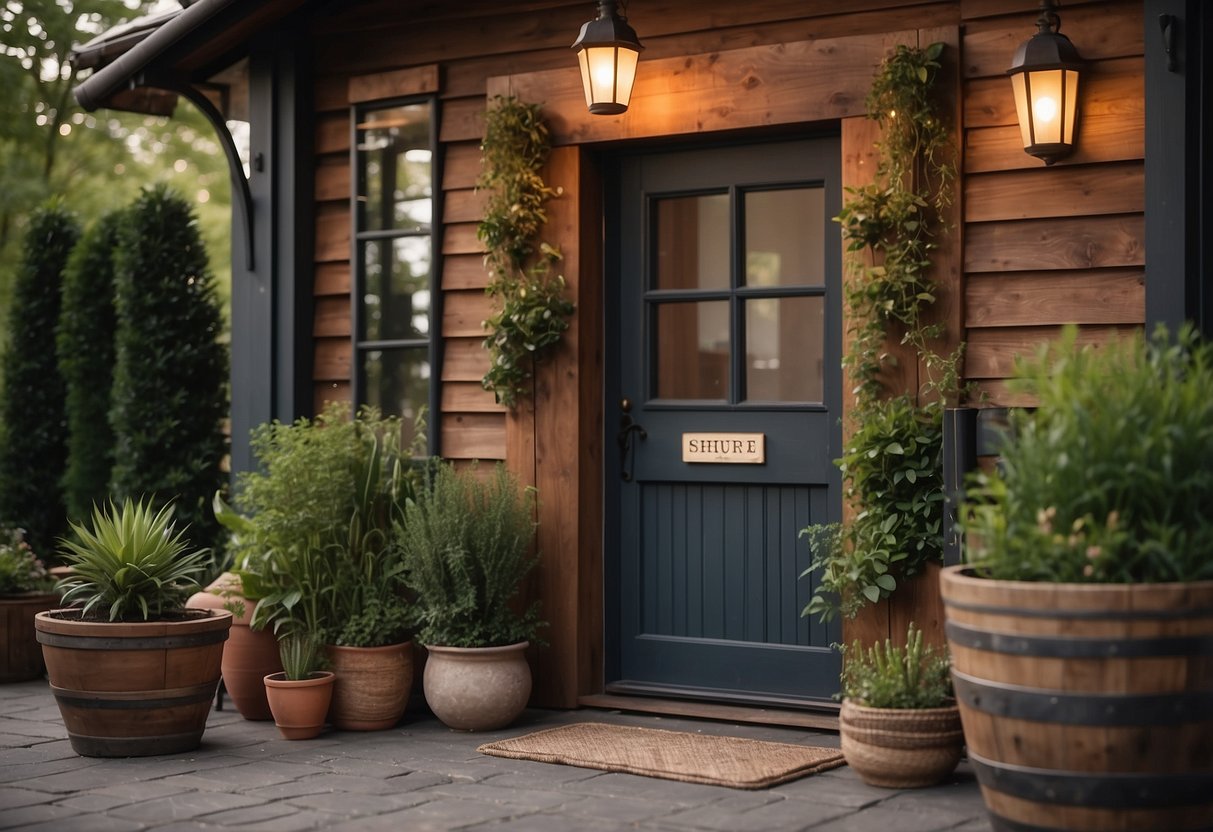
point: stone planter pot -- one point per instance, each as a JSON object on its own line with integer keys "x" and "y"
{"x": 20, "y": 655}
{"x": 133, "y": 689}
{"x": 372, "y": 685}
{"x": 477, "y": 688}
{"x": 1085, "y": 706}
{"x": 299, "y": 706}
{"x": 901, "y": 748}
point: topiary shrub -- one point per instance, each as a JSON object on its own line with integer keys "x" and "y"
{"x": 170, "y": 371}
{"x": 33, "y": 450}
{"x": 85, "y": 341}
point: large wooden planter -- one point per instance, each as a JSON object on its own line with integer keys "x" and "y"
{"x": 133, "y": 689}
{"x": 1085, "y": 706}
{"x": 20, "y": 656}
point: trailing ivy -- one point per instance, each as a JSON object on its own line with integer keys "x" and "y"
{"x": 534, "y": 310}
{"x": 892, "y": 464}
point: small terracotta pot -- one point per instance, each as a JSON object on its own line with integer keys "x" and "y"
{"x": 477, "y": 688}
{"x": 372, "y": 686}
{"x": 299, "y": 706}
{"x": 900, "y": 748}
{"x": 20, "y": 654}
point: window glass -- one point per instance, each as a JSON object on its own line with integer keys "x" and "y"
{"x": 692, "y": 350}
{"x": 395, "y": 168}
{"x": 397, "y": 381}
{"x": 396, "y": 298}
{"x": 692, "y": 242}
{"x": 785, "y": 237}
{"x": 785, "y": 349}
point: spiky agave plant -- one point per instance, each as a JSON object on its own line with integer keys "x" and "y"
{"x": 132, "y": 562}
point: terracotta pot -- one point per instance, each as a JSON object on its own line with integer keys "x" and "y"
{"x": 372, "y": 686}
{"x": 299, "y": 706}
{"x": 20, "y": 655}
{"x": 477, "y": 688}
{"x": 1085, "y": 706}
{"x": 249, "y": 655}
{"x": 901, "y": 748}
{"x": 133, "y": 689}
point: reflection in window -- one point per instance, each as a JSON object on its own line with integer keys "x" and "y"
{"x": 785, "y": 349}
{"x": 693, "y": 350}
{"x": 393, "y": 230}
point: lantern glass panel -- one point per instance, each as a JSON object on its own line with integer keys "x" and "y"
{"x": 1018, "y": 85}
{"x": 1047, "y": 101}
{"x": 1071, "y": 105}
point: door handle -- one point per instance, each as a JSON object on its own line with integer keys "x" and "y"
{"x": 627, "y": 449}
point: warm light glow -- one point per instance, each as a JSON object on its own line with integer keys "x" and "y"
{"x": 607, "y": 75}
{"x": 1045, "y": 109}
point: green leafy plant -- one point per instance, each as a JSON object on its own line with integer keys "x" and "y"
{"x": 534, "y": 310}
{"x": 1108, "y": 480}
{"x": 888, "y": 676}
{"x": 892, "y": 463}
{"x": 314, "y": 537}
{"x": 467, "y": 545}
{"x": 132, "y": 564}
{"x": 20, "y": 569}
{"x": 300, "y": 654}
{"x": 171, "y": 371}
{"x": 33, "y": 450}
{"x": 85, "y": 343}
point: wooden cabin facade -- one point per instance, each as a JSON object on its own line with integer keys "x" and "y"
{"x": 700, "y": 253}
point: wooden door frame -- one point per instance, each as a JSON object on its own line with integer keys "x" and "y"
{"x": 555, "y": 441}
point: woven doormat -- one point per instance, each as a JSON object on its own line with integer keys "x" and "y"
{"x": 674, "y": 755}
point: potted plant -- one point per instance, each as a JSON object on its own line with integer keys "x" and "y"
{"x": 1080, "y": 628}
{"x": 899, "y": 726}
{"x": 316, "y": 551}
{"x": 133, "y": 671}
{"x": 467, "y": 545}
{"x": 25, "y": 591}
{"x": 300, "y": 694}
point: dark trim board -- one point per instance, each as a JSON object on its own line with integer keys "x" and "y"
{"x": 821, "y": 720}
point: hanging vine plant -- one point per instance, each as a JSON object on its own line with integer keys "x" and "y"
{"x": 533, "y": 309}
{"x": 892, "y": 466}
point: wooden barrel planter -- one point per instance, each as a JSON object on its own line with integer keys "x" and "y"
{"x": 133, "y": 689}
{"x": 1085, "y": 706}
{"x": 20, "y": 655}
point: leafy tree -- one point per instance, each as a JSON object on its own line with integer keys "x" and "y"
{"x": 85, "y": 343}
{"x": 170, "y": 375}
{"x": 33, "y": 449}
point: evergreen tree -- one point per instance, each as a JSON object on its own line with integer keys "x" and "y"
{"x": 170, "y": 373}
{"x": 33, "y": 447}
{"x": 86, "y": 360}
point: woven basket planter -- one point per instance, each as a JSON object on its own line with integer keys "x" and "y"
{"x": 901, "y": 748}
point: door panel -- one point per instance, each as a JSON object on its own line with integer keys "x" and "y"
{"x": 726, "y": 319}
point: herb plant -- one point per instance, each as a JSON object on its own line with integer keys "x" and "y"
{"x": 132, "y": 564}
{"x": 887, "y": 676}
{"x": 534, "y": 310}
{"x": 20, "y": 569}
{"x": 467, "y": 545}
{"x": 1109, "y": 479}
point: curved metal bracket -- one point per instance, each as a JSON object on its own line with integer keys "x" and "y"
{"x": 242, "y": 196}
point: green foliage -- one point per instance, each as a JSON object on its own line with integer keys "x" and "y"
{"x": 20, "y": 569}
{"x": 1109, "y": 480}
{"x": 534, "y": 309}
{"x": 300, "y": 654}
{"x": 467, "y": 545}
{"x": 33, "y": 450}
{"x": 885, "y": 676}
{"x": 85, "y": 343}
{"x": 315, "y": 545}
{"x": 132, "y": 564}
{"x": 892, "y": 465}
{"x": 170, "y": 374}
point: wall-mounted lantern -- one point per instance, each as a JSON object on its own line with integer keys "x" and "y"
{"x": 1044, "y": 77}
{"x": 608, "y": 50}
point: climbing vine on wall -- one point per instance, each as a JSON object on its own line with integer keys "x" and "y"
{"x": 533, "y": 309}
{"x": 892, "y": 463}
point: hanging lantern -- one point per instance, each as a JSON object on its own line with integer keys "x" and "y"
{"x": 607, "y": 49}
{"x": 1044, "y": 78}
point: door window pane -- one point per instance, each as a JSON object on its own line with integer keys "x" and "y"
{"x": 785, "y": 349}
{"x": 394, "y": 172}
{"x": 397, "y": 381}
{"x": 396, "y": 303}
{"x": 785, "y": 237}
{"x": 692, "y": 350}
{"x": 692, "y": 243}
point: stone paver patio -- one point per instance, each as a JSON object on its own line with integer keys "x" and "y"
{"x": 421, "y": 776}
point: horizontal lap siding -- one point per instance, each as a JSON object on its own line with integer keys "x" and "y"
{"x": 361, "y": 43}
{"x": 1057, "y": 245}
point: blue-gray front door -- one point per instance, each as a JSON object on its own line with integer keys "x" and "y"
{"x": 725, "y": 321}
